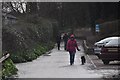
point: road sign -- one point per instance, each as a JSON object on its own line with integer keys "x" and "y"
{"x": 97, "y": 28}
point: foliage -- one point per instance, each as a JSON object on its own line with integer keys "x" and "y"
{"x": 8, "y": 69}
{"x": 67, "y": 14}
{"x": 28, "y": 39}
{"x": 32, "y": 54}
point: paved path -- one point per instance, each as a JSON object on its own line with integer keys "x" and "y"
{"x": 56, "y": 65}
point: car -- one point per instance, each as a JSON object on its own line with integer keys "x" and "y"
{"x": 110, "y": 51}
{"x": 98, "y": 45}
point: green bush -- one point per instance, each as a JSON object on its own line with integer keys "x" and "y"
{"x": 17, "y": 58}
{"x": 31, "y": 54}
{"x": 23, "y": 41}
{"x": 8, "y": 69}
{"x": 39, "y": 50}
{"x": 29, "y": 38}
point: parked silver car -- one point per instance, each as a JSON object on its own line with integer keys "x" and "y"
{"x": 98, "y": 45}
{"x": 110, "y": 51}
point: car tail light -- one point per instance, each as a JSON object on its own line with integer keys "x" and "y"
{"x": 104, "y": 50}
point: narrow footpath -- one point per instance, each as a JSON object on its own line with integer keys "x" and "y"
{"x": 56, "y": 65}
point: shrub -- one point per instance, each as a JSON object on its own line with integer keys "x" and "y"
{"x": 8, "y": 69}
{"x": 31, "y": 54}
{"x": 23, "y": 39}
{"x": 17, "y": 58}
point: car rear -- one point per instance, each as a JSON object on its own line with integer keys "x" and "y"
{"x": 110, "y": 52}
{"x": 98, "y": 45}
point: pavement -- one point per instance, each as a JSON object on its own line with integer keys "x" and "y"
{"x": 56, "y": 65}
{"x": 109, "y": 71}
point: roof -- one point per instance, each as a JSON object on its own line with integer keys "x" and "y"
{"x": 114, "y": 42}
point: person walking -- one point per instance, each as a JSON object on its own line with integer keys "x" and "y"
{"x": 65, "y": 38}
{"x": 71, "y": 47}
{"x": 58, "y": 40}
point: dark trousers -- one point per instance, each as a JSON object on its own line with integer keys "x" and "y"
{"x": 65, "y": 45}
{"x": 58, "y": 44}
{"x": 72, "y": 56}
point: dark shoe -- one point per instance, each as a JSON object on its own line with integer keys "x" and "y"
{"x": 73, "y": 63}
{"x": 82, "y": 63}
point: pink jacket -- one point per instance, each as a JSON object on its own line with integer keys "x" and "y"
{"x": 72, "y": 45}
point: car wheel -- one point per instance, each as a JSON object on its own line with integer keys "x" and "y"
{"x": 105, "y": 62}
